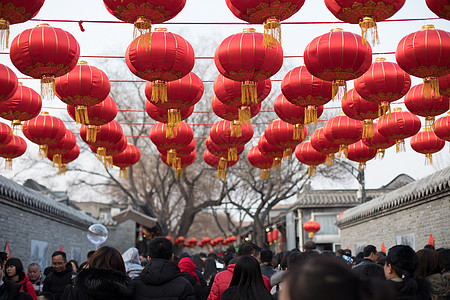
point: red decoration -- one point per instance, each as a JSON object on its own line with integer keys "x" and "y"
{"x": 312, "y": 227}
{"x": 179, "y": 240}
{"x": 355, "y": 107}
{"x": 269, "y": 237}
{"x": 444, "y": 84}
{"x": 179, "y": 152}
{"x": 82, "y": 87}
{"x": 427, "y": 142}
{"x": 426, "y": 54}
{"x": 440, "y": 7}
{"x": 66, "y": 158}
{"x": 281, "y": 134}
{"x": 169, "y": 57}
{"x": 169, "y": 238}
{"x": 418, "y": 104}
{"x": 13, "y": 12}
{"x": 206, "y": 241}
{"x": 275, "y": 234}
{"x": 219, "y": 163}
{"x": 221, "y": 134}
{"x": 24, "y": 105}
{"x": 162, "y": 114}
{"x": 338, "y": 56}
{"x": 307, "y": 155}
{"x": 378, "y": 142}
{"x": 361, "y": 153}
{"x": 442, "y": 127}
{"x": 343, "y": 131}
{"x": 383, "y": 83}
{"x": 44, "y": 130}
{"x": 401, "y": 125}
{"x": 220, "y": 151}
{"x": 303, "y": 89}
{"x": 15, "y": 148}
{"x": 272, "y": 151}
{"x": 6, "y": 134}
{"x": 45, "y": 52}
{"x": 8, "y": 81}
{"x": 365, "y": 13}
{"x": 128, "y": 157}
{"x": 243, "y": 57}
{"x": 260, "y": 161}
{"x": 192, "y": 242}
{"x": 180, "y": 163}
{"x": 62, "y": 147}
{"x": 118, "y": 148}
{"x": 431, "y": 241}
{"x": 108, "y": 136}
{"x": 320, "y": 142}
{"x": 383, "y": 248}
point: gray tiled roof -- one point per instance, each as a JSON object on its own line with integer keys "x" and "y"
{"x": 317, "y": 198}
{"x": 28, "y": 198}
{"x": 413, "y": 192}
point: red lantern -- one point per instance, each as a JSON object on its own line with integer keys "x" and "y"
{"x": 320, "y": 142}
{"x": 444, "y": 86}
{"x": 275, "y": 234}
{"x": 260, "y": 161}
{"x": 6, "y": 134}
{"x": 108, "y": 136}
{"x": 169, "y": 238}
{"x": 66, "y": 158}
{"x": 206, "y": 241}
{"x": 232, "y": 239}
{"x": 13, "y": 12}
{"x": 8, "y": 81}
{"x": 186, "y": 150}
{"x": 378, "y": 142}
{"x": 440, "y": 7}
{"x": 128, "y": 157}
{"x": 44, "y": 130}
{"x": 169, "y": 57}
{"x": 338, "y": 56}
{"x": 401, "y": 125}
{"x": 303, "y": 89}
{"x": 269, "y": 150}
{"x": 144, "y": 13}
{"x": 181, "y": 162}
{"x": 281, "y": 134}
{"x": 62, "y": 147}
{"x": 219, "y": 163}
{"x": 82, "y": 87}
{"x": 45, "y": 52}
{"x": 15, "y": 148}
{"x": 311, "y": 227}
{"x": 219, "y": 240}
{"x": 162, "y": 115}
{"x": 442, "y": 127}
{"x": 179, "y": 240}
{"x": 307, "y": 155}
{"x": 355, "y": 107}
{"x": 361, "y": 153}
{"x": 426, "y": 54}
{"x": 427, "y": 142}
{"x": 221, "y": 134}
{"x": 192, "y": 242}
{"x": 343, "y": 131}
{"x": 243, "y": 57}
{"x": 365, "y": 13}
{"x": 383, "y": 83}
{"x": 418, "y": 104}
{"x": 267, "y": 12}
{"x": 118, "y": 148}
{"x": 221, "y": 151}
{"x": 269, "y": 237}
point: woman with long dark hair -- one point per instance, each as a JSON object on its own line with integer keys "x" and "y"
{"x": 14, "y": 272}
{"x": 430, "y": 267}
{"x": 247, "y": 282}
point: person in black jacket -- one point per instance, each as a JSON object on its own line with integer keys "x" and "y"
{"x": 61, "y": 275}
{"x": 104, "y": 278}
{"x": 161, "y": 278}
{"x": 10, "y": 290}
{"x": 187, "y": 269}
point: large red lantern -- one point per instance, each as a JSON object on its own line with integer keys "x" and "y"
{"x": 281, "y": 134}
{"x": 361, "y": 153}
{"x": 221, "y": 135}
{"x": 243, "y": 57}
{"x": 44, "y": 130}
{"x": 418, "y": 104}
{"x": 444, "y": 86}
{"x": 192, "y": 242}
{"x": 427, "y": 142}
{"x": 426, "y": 54}
{"x": 383, "y": 83}
{"x": 378, "y": 142}
{"x": 45, "y": 52}
{"x": 15, "y": 148}
{"x": 269, "y": 238}
{"x": 108, "y": 135}
{"x": 169, "y": 57}
{"x": 179, "y": 240}
{"x": 118, "y": 148}
{"x": 343, "y": 131}
{"x": 221, "y": 151}
{"x": 144, "y": 13}
{"x": 275, "y": 234}
{"x": 307, "y": 155}
{"x": 401, "y": 125}
{"x": 62, "y": 147}
{"x": 181, "y": 162}
{"x": 8, "y": 81}
{"x": 127, "y": 158}
{"x": 66, "y": 158}
{"x": 267, "y": 12}
{"x": 442, "y": 127}
{"x": 24, "y": 105}
{"x": 13, "y": 12}
{"x": 82, "y": 87}
{"x": 355, "y": 107}
{"x": 6, "y": 134}
{"x": 338, "y": 56}
{"x": 170, "y": 154}
{"x": 272, "y": 151}
{"x": 260, "y": 161}
{"x": 162, "y": 114}
{"x": 365, "y": 13}
{"x": 219, "y": 163}
{"x": 320, "y": 142}
{"x": 440, "y": 7}
{"x": 311, "y": 227}
{"x": 303, "y": 89}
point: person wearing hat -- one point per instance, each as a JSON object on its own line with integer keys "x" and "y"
{"x": 401, "y": 263}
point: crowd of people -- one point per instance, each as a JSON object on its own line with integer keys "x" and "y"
{"x": 250, "y": 273}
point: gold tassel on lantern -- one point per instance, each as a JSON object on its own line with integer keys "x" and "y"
{"x": 245, "y": 115}
{"x": 236, "y": 129}
{"x": 312, "y": 170}
{"x": 311, "y": 114}
{"x": 232, "y": 154}
{"x": 380, "y": 154}
{"x": 330, "y": 160}
{"x": 249, "y": 93}
{"x": 368, "y": 26}
{"x": 222, "y": 168}
{"x": 57, "y": 160}
{"x": 108, "y": 161}
{"x": 287, "y": 154}
{"x": 343, "y": 149}
{"x": 172, "y": 157}
{"x": 81, "y": 115}
{"x": 171, "y": 132}
{"x": 123, "y": 172}
{"x": 159, "y": 91}
{"x": 361, "y": 166}
{"x": 91, "y": 133}
{"x": 339, "y": 90}
{"x": 429, "y": 123}
{"x": 62, "y": 169}
{"x": 15, "y": 126}
{"x": 383, "y": 108}
{"x": 311, "y": 235}
{"x": 101, "y": 153}
{"x": 48, "y": 87}
{"x": 276, "y": 163}
{"x": 431, "y": 87}
{"x": 43, "y": 150}
{"x": 367, "y": 128}
{"x": 4, "y": 33}
{"x": 272, "y": 32}
{"x": 174, "y": 118}
{"x": 8, "y": 163}
{"x": 299, "y": 132}
{"x": 264, "y": 174}
{"x": 178, "y": 172}
{"x": 142, "y": 26}
{"x": 428, "y": 159}
{"x": 400, "y": 146}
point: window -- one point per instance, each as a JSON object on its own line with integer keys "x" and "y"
{"x": 327, "y": 224}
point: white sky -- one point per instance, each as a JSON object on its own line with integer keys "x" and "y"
{"x": 112, "y": 39}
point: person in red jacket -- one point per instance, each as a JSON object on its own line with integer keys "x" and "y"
{"x": 223, "y": 279}
{"x": 15, "y": 273}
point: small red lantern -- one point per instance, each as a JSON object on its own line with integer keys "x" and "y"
{"x": 311, "y": 227}
{"x": 8, "y": 81}
{"x": 378, "y": 142}
{"x": 179, "y": 240}
{"x": 45, "y": 52}
{"x": 303, "y": 89}
{"x": 108, "y": 136}
{"x": 243, "y": 57}
{"x": 118, "y": 148}
{"x": 206, "y": 241}
{"x": 281, "y": 134}
{"x": 444, "y": 86}
{"x": 320, "y": 142}
{"x": 220, "y": 151}
{"x": 128, "y": 157}
{"x": 62, "y": 147}
{"x": 343, "y": 131}
{"x": 355, "y": 107}
{"x": 219, "y": 240}
{"x": 219, "y": 163}
{"x": 66, "y": 158}
{"x": 221, "y": 134}
{"x": 440, "y": 8}
{"x": 401, "y": 125}
{"x": 162, "y": 114}
{"x": 427, "y": 142}
{"x": 442, "y": 127}
{"x": 269, "y": 237}
{"x": 272, "y": 151}
{"x": 275, "y": 234}
{"x": 6, "y": 134}
{"x": 15, "y": 148}
{"x": 260, "y": 161}
{"x": 180, "y": 162}
{"x": 307, "y": 155}
{"x": 426, "y": 54}
{"x": 192, "y": 242}
{"x": 361, "y": 153}
{"x": 169, "y": 153}
{"x": 169, "y": 238}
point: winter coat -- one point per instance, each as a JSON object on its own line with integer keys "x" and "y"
{"x": 439, "y": 285}
{"x": 275, "y": 281}
{"x": 360, "y": 267}
{"x": 26, "y": 285}
{"x": 195, "y": 284}
{"x": 229, "y": 293}
{"x": 56, "y": 282}
{"x": 99, "y": 284}
{"x": 422, "y": 292}
{"x": 161, "y": 279}
{"x": 37, "y": 285}
{"x": 267, "y": 270}
{"x": 132, "y": 262}
{"x": 11, "y": 291}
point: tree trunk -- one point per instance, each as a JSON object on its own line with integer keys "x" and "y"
{"x": 258, "y": 232}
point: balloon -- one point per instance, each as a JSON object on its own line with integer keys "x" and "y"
{"x": 97, "y": 234}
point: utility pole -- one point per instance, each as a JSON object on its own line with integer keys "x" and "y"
{"x": 359, "y": 175}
